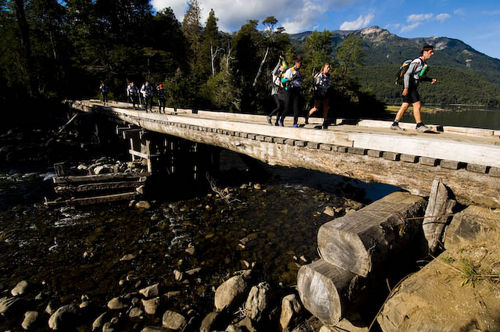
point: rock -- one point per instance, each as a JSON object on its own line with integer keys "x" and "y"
{"x": 30, "y": 318}
{"x": 116, "y": 304}
{"x": 172, "y": 294}
{"x": 108, "y": 327}
{"x": 290, "y": 307}
{"x": 127, "y": 257}
{"x": 329, "y": 211}
{"x": 7, "y": 304}
{"x": 247, "y": 324}
{"x": 257, "y": 186}
{"x": 20, "y": 288}
{"x": 102, "y": 170}
{"x": 135, "y": 312}
{"x": 229, "y": 292}
{"x": 84, "y": 304}
{"x": 209, "y": 321}
{"x": 178, "y": 275}
{"x": 143, "y": 205}
{"x": 257, "y": 301}
{"x": 150, "y": 306}
{"x": 49, "y": 308}
{"x": 193, "y": 271}
{"x": 190, "y": 250}
{"x": 150, "y": 291}
{"x": 63, "y": 317}
{"x": 173, "y": 320}
{"x": 232, "y": 328}
{"x": 153, "y": 329}
{"x": 343, "y": 325}
{"x": 97, "y": 324}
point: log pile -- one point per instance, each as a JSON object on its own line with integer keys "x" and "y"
{"x": 355, "y": 250}
{"x": 94, "y": 189}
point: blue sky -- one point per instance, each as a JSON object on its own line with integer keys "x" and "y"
{"x": 476, "y": 23}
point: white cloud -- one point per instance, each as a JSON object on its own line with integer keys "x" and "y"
{"x": 459, "y": 11}
{"x": 416, "y": 20}
{"x": 360, "y": 22}
{"x": 294, "y": 15}
{"x": 442, "y": 17}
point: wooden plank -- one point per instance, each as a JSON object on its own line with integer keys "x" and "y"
{"x": 142, "y": 155}
{"x": 98, "y": 178}
{"x": 94, "y": 200}
{"x": 99, "y": 186}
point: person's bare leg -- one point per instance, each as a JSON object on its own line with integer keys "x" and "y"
{"x": 416, "y": 111}
{"x": 402, "y": 110}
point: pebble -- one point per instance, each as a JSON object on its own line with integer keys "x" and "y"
{"x": 150, "y": 306}
{"x": 135, "y": 312}
{"x": 97, "y": 324}
{"x": 178, "y": 275}
{"x": 150, "y": 291}
{"x": 116, "y": 304}
{"x": 127, "y": 257}
{"x": 173, "y": 320}
{"x": 30, "y": 318}
{"x": 193, "y": 271}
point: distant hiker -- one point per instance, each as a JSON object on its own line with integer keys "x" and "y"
{"x": 132, "y": 94}
{"x": 277, "y": 91}
{"x": 103, "y": 88}
{"x": 147, "y": 94}
{"x": 415, "y": 73}
{"x": 321, "y": 99}
{"x": 292, "y": 81}
{"x": 161, "y": 97}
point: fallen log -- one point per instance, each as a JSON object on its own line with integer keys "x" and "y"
{"x": 364, "y": 240}
{"x": 326, "y": 290}
{"x": 99, "y": 178}
{"x": 93, "y": 200}
{"x": 99, "y": 186}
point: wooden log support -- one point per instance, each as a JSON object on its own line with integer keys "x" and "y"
{"x": 363, "y": 240}
{"x": 326, "y": 290}
{"x": 59, "y": 169}
{"x": 437, "y": 214}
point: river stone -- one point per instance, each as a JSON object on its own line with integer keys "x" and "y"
{"x": 49, "y": 308}
{"x": 7, "y": 304}
{"x": 343, "y": 325}
{"x": 135, "y": 312}
{"x": 153, "y": 329}
{"x": 193, "y": 271}
{"x": 290, "y": 306}
{"x": 173, "y": 321}
{"x": 116, "y": 304}
{"x": 30, "y": 318}
{"x": 150, "y": 291}
{"x": 96, "y": 325}
{"x": 127, "y": 257}
{"x": 151, "y": 305}
{"x": 232, "y": 328}
{"x": 63, "y": 317}
{"x": 20, "y": 288}
{"x": 209, "y": 321}
{"x": 143, "y": 205}
{"x": 229, "y": 292}
{"x": 177, "y": 275}
{"x": 257, "y": 301}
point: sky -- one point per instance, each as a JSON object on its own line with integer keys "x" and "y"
{"x": 477, "y": 23}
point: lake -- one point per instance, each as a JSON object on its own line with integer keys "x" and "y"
{"x": 475, "y": 118}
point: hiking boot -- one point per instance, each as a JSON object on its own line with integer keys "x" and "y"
{"x": 306, "y": 118}
{"x": 423, "y": 128}
{"x": 396, "y": 126}
{"x": 269, "y": 120}
{"x": 324, "y": 126}
{"x": 281, "y": 123}
{"x": 276, "y": 124}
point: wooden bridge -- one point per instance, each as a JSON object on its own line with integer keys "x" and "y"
{"x": 466, "y": 159}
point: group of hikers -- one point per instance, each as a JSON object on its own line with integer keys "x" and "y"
{"x": 286, "y": 85}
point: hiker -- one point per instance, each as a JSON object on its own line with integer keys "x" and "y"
{"x": 147, "y": 94}
{"x": 162, "y": 101}
{"x": 415, "y": 73}
{"x": 292, "y": 81}
{"x": 103, "y": 88}
{"x": 321, "y": 85}
{"x": 277, "y": 90}
{"x": 132, "y": 94}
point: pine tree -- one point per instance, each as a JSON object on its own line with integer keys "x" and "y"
{"x": 191, "y": 26}
{"x": 210, "y": 44}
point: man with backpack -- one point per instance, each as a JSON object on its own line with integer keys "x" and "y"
{"x": 147, "y": 94}
{"x": 416, "y": 71}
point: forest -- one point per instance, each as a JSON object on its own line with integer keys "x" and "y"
{"x": 54, "y": 50}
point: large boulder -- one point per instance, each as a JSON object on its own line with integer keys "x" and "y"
{"x": 230, "y": 292}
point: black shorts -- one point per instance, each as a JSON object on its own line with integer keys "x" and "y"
{"x": 412, "y": 96}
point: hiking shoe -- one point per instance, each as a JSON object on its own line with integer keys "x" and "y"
{"x": 295, "y": 125}
{"x": 396, "y": 127}
{"x": 423, "y": 128}
{"x": 306, "y": 120}
{"x": 269, "y": 120}
{"x": 324, "y": 126}
{"x": 281, "y": 123}
{"x": 276, "y": 124}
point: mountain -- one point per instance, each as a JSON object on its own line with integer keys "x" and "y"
{"x": 466, "y": 75}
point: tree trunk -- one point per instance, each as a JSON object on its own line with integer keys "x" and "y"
{"x": 260, "y": 68}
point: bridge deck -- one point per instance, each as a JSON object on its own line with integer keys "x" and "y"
{"x": 467, "y": 159}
